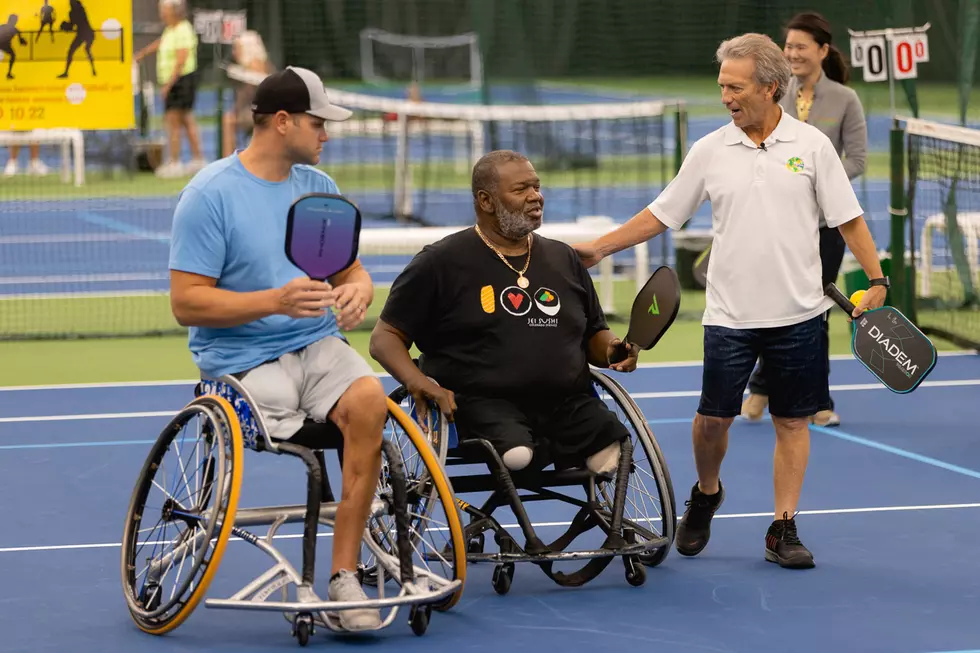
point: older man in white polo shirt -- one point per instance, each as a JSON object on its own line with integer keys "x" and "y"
{"x": 767, "y": 176}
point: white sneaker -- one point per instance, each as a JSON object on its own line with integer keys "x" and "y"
{"x": 754, "y": 406}
{"x": 170, "y": 170}
{"x": 346, "y": 587}
{"x": 826, "y": 418}
{"x": 10, "y": 169}
{"x": 195, "y": 166}
{"x": 36, "y": 167}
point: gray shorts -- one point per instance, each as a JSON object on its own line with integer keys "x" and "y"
{"x": 304, "y": 384}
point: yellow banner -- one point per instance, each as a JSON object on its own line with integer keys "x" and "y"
{"x": 66, "y": 64}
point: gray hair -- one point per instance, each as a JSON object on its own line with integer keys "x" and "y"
{"x": 179, "y": 7}
{"x": 485, "y": 174}
{"x": 770, "y": 63}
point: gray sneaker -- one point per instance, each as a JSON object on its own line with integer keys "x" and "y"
{"x": 344, "y": 586}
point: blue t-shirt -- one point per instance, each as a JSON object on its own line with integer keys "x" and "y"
{"x": 231, "y": 225}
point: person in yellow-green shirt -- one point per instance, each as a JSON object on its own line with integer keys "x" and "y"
{"x": 176, "y": 51}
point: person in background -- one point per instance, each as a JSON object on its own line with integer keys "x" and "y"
{"x": 34, "y": 167}
{"x": 817, "y": 95}
{"x": 249, "y": 52}
{"x": 176, "y": 51}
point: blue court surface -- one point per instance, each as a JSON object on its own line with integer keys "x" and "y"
{"x": 890, "y": 509}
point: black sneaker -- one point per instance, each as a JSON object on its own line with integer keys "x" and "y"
{"x": 694, "y": 528}
{"x": 784, "y": 546}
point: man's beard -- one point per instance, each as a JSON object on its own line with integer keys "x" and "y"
{"x": 514, "y": 224}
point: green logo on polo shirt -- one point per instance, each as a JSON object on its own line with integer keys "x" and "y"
{"x": 795, "y": 164}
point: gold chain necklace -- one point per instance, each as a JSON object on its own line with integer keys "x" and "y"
{"x": 521, "y": 279}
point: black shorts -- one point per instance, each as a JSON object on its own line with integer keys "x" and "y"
{"x": 563, "y": 431}
{"x": 795, "y": 369}
{"x": 182, "y": 94}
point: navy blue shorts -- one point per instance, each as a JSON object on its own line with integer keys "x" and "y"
{"x": 795, "y": 370}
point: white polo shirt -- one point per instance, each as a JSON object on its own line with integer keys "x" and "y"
{"x": 764, "y": 269}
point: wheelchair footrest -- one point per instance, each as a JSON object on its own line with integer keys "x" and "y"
{"x": 408, "y": 596}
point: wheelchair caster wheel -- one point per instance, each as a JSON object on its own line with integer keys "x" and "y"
{"x": 502, "y": 577}
{"x": 419, "y": 619}
{"x": 150, "y": 596}
{"x": 636, "y": 573}
{"x": 303, "y": 628}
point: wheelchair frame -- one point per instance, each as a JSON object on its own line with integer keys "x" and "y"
{"x": 621, "y": 535}
{"x": 419, "y": 589}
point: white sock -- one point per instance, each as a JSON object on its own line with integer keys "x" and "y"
{"x": 605, "y": 461}
{"x": 517, "y": 458}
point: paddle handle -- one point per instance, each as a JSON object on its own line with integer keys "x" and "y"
{"x": 834, "y": 293}
{"x": 621, "y": 353}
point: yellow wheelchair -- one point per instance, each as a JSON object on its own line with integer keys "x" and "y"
{"x": 633, "y": 507}
{"x": 185, "y": 509}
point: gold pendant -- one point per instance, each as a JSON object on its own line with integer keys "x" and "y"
{"x": 523, "y": 282}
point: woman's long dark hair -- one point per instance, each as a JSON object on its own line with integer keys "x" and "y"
{"x": 834, "y": 66}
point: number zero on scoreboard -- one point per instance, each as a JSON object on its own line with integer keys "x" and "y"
{"x": 903, "y": 57}
{"x": 876, "y": 58}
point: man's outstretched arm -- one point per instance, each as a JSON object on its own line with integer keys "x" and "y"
{"x": 640, "y": 228}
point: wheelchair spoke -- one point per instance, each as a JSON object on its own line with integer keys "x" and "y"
{"x": 642, "y": 508}
{"x": 429, "y": 536}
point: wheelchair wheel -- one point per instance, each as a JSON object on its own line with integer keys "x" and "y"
{"x": 181, "y": 514}
{"x": 435, "y": 530}
{"x": 650, "y": 509}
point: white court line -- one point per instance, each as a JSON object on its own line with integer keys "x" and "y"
{"x": 556, "y": 524}
{"x": 670, "y": 394}
{"x": 382, "y": 375}
{"x": 84, "y": 416}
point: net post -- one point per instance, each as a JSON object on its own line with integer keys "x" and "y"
{"x": 680, "y": 136}
{"x": 901, "y": 297}
{"x": 219, "y": 115}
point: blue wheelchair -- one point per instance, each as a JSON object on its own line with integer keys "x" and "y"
{"x": 633, "y": 508}
{"x": 185, "y": 508}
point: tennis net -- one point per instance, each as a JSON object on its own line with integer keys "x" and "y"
{"x": 92, "y": 261}
{"x": 944, "y": 201}
{"x": 411, "y": 160}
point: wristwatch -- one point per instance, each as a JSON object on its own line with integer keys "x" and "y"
{"x": 883, "y": 281}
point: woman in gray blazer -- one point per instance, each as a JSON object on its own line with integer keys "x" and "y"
{"x": 817, "y": 95}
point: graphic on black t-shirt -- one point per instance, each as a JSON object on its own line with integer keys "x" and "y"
{"x": 479, "y": 333}
{"x": 515, "y": 301}
{"x": 486, "y": 299}
{"x": 547, "y": 301}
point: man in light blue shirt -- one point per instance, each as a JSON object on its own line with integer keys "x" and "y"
{"x": 253, "y": 314}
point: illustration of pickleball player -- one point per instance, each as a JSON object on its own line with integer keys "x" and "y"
{"x": 7, "y": 34}
{"x": 47, "y": 20}
{"x": 84, "y": 35}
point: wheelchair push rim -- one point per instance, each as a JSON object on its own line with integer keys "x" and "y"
{"x": 649, "y": 468}
{"x": 198, "y": 491}
{"x": 438, "y": 541}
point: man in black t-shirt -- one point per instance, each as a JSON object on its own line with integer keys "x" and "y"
{"x": 507, "y": 322}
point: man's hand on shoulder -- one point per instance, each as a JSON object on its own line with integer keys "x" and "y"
{"x": 588, "y": 252}
{"x": 304, "y": 297}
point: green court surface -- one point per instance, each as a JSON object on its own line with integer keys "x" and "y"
{"x": 167, "y": 357}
